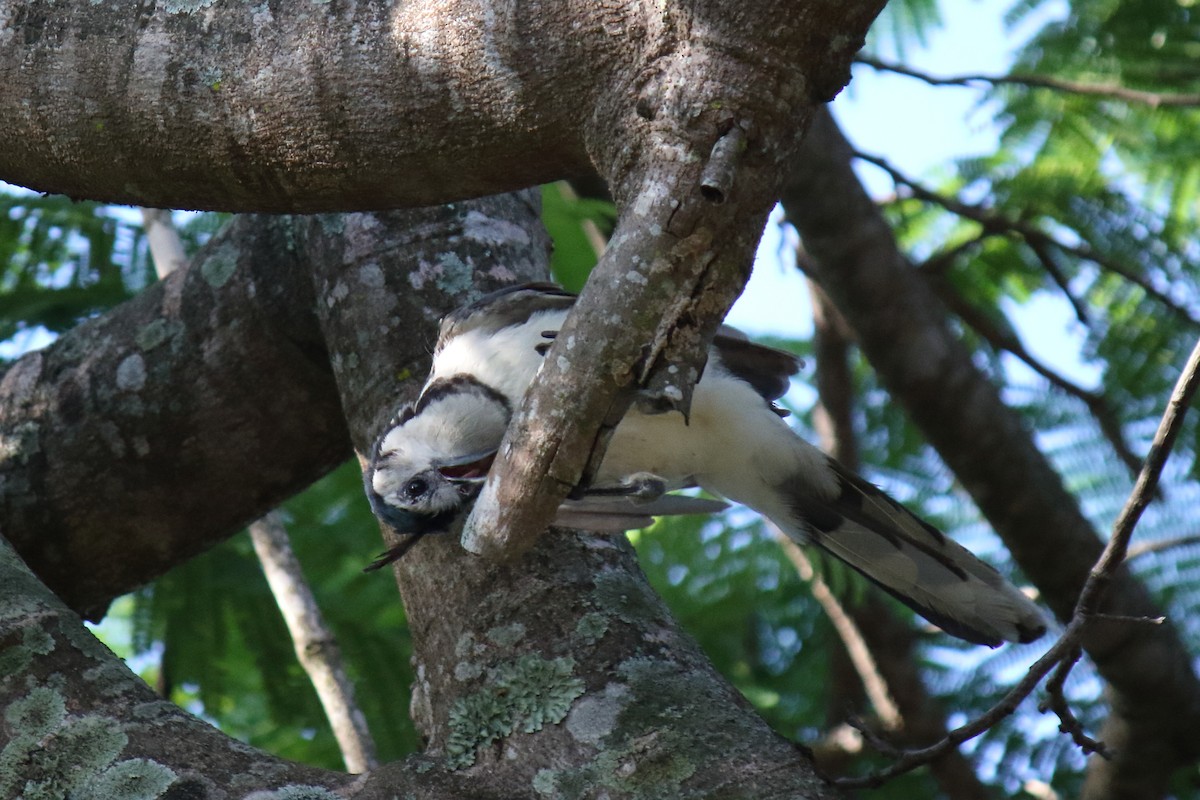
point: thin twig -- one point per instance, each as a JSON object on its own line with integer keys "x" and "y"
{"x": 315, "y": 645}
{"x": 1105, "y": 91}
{"x": 1157, "y": 546}
{"x": 1089, "y": 597}
{"x": 1143, "y": 490}
{"x": 993, "y": 222}
{"x": 1009, "y": 342}
{"x": 876, "y": 687}
{"x": 1056, "y": 701}
{"x": 1046, "y": 258}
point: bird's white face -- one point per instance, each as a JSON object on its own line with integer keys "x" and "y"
{"x": 437, "y": 459}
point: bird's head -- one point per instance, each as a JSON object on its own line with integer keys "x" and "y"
{"x": 433, "y": 459}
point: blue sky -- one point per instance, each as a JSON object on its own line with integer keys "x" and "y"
{"x": 919, "y": 128}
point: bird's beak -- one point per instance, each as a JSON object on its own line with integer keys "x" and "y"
{"x": 469, "y": 469}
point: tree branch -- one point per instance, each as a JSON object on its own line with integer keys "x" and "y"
{"x": 617, "y": 682}
{"x": 1102, "y": 91}
{"x": 1038, "y": 240}
{"x": 1007, "y": 341}
{"x": 1065, "y": 652}
{"x": 680, "y": 253}
{"x": 902, "y": 330}
{"x": 316, "y": 648}
{"x": 161, "y": 402}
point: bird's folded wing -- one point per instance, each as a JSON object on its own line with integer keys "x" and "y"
{"x": 624, "y": 513}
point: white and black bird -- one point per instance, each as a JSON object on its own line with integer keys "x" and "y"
{"x": 431, "y": 463}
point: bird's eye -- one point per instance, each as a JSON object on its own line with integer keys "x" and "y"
{"x": 416, "y": 487}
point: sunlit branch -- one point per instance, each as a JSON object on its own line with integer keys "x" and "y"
{"x": 1104, "y": 91}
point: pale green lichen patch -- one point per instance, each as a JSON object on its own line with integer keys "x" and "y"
{"x": 110, "y": 678}
{"x": 595, "y": 717}
{"x": 84, "y": 641}
{"x": 650, "y": 766}
{"x": 219, "y": 267}
{"x": 38, "y": 713}
{"x": 457, "y": 276}
{"x": 18, "y": 657}
{"x": 545, "y": 782}
{"x": 467, "y": 670}
{"x": 152, "y": 334}
{"x": 522, "y": 695}
{"x": 332, "y": 224}
{"x": 185, "y": 6}
{"x": 20, "y": 442}
{"x": 506, "y": 635}
{"x": 131, "y": 373}
{"x": 467, "y": 646}
{"x": 591, "y": 627}
{"x": 134, "y": 779}
{"x": 64, "y": 764}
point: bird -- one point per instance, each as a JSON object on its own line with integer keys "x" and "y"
{"x": 432, "y": 459}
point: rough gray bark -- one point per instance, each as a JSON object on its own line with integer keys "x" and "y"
{"x": 213, "y": 383}
{"x": 556, "y": 674}
{"x": 316, "y": 649}
{"x": 695, "y": 168}
{"x": 901, "y": 327}
{"x": 365, "y": 104}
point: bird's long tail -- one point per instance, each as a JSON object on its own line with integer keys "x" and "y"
{"x": 914, "y": 561}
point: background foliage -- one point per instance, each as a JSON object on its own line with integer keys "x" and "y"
{"x": 1090, "y": 200}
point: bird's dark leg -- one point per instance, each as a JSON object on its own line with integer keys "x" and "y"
{"x": 642, "y": 487}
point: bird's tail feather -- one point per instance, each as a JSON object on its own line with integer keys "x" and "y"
{"x": 913, "y": 561}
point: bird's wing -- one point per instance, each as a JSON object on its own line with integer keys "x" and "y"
{"x": 502, "y": 308}
{"x": 624, "y": 513}
{"x": 765, "y": 368}
{"x": 917, "y": 563}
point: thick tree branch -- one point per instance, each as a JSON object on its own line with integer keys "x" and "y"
{"x": 625, "y": 700}
{"x": 362, "y": 105}
{"x": 901, "y": 329}
{"x": 568, "y": 646}
{"x": 123, "y": 431}
{"x": 316, "y": 648}
{"x": 1101, "y": 91}
{"x": 682, "y": 247}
